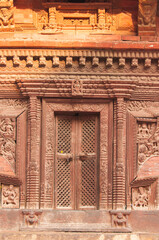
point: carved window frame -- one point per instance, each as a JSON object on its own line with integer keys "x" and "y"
{"x": 105, "y": 110}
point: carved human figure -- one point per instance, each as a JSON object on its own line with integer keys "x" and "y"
{"x": 147, "y": 12}
{"x": 120, "y": 220}
{"x": 141, "y": 197}
{"x": 10, "y": 195}
{"x": 6, "y": 17}
{"x": 31, "y": 219}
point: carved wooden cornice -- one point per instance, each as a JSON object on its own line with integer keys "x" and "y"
{"x": 100, "y": 53}
{"x": 79, "y": 73}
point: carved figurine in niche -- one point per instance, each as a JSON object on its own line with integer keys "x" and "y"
{"x": 10, "y": 196}
{"x": 140, "y": 197}
{"x": 77, "y": 87}
{"x": 147, "y": 12}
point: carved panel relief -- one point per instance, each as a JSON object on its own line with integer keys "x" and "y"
{"x": 10, "y": 196}
{"x": 7, "y": 140}
{"x": 141, "y": 197}
{"x": 147, "y": 139}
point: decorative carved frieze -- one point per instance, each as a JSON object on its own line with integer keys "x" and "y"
{"x": 6, "y": 15}
{"x": 10, "y": 196}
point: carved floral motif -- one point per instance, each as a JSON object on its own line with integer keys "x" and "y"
{"x": 10, "y": 196}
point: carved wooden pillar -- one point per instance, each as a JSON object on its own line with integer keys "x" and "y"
{"x": 33, "y": 164}
{"x": 147, "y": 17}
{"x": 119, "y": 163}
{"x": 52, "y": 16}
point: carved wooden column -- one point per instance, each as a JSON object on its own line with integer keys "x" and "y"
{"x": 147, "y": 17}
{"x": 33, "y": 164}
{"x": 52, "y": 17}
{"x": 119, "y": 164}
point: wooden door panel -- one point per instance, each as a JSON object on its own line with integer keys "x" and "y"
{"x": 87, "y": 162}
{"x": 64, "y": 164}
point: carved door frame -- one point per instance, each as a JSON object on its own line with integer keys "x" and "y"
{"x": 105, "y": 110}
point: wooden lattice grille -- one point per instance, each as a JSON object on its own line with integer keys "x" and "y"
{"x": 76, "y": 162}
{"x": 63, "y": 165}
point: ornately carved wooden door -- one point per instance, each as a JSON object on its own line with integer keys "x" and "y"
{"x": 76, "y": 165}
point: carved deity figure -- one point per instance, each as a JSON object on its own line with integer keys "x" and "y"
{"x": 6, "y": 15}
{"x": 31, "y": 219}
{"x": 141, "y": 197}
{"x": 7, "y": 140}
{"x": 120, "y": 220}
{"x": 147, "y": 12}
{"x": 9, "y": 196}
